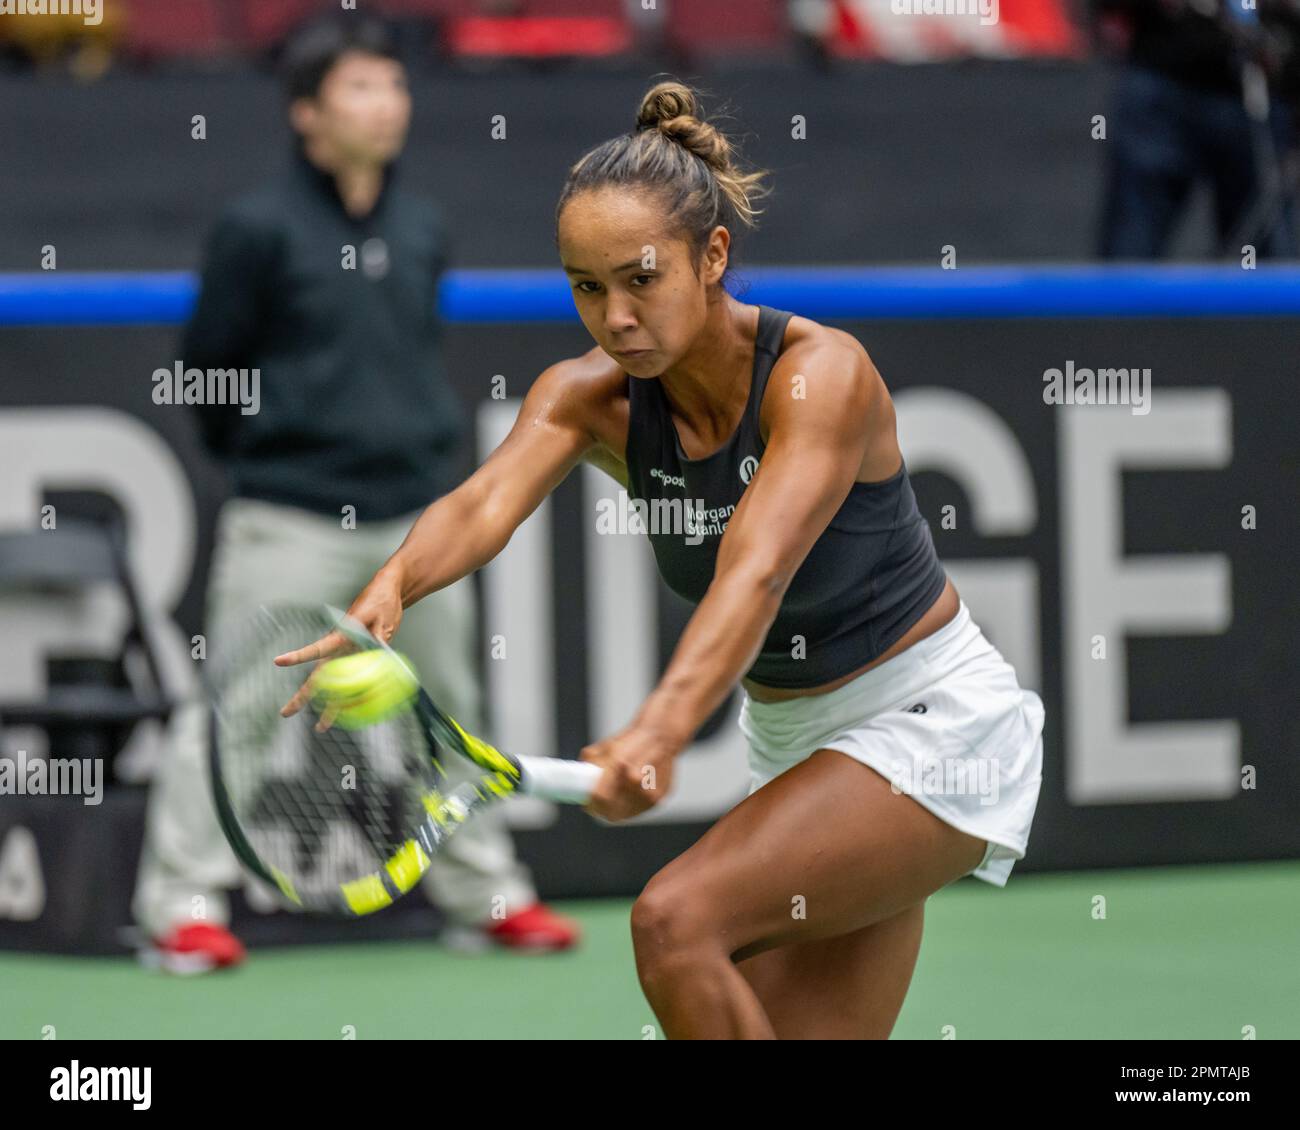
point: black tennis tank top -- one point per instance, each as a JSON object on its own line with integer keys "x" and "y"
{"x": 868, "y": 578}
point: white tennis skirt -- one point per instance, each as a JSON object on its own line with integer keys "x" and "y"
{"x": 944, "y": 721}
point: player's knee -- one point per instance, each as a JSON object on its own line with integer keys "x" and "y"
{"x": 669, "y": 920}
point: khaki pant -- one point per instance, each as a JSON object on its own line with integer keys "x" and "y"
{"x": 268, "y": 553}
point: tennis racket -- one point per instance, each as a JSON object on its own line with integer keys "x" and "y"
{"x": 347, "y": 820}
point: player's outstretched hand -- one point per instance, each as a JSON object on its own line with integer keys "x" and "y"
{"x": 378, "y": 609}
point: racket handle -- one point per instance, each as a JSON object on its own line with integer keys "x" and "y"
{"x": 558, "y": 779}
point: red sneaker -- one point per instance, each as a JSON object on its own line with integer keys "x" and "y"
{"x": 196, "y": 948}
{"x": 535, "y": 929}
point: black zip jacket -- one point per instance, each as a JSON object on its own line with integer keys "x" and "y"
{"x": 354, "y": 405}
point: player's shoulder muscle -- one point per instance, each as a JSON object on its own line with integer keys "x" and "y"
{"x": 826, "y": 366}
{"x": 578, "y": 393}
{"x": 574, "y": 396}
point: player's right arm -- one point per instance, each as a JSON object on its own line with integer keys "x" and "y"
{"x": 466, "y": 528}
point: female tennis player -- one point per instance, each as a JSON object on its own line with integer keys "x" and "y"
{"x": 876, "y": 712}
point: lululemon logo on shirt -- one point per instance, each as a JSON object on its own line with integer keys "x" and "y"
{"x": 748, "y": 466}
{"x": 919, "y": 708}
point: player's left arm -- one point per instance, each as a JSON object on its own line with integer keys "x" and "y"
{"x": 822, "y": 396}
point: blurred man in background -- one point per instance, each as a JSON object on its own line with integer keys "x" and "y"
{"x": 1192, "y": 107}
{"x": 326, "y": 282}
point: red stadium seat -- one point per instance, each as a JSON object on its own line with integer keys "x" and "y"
{"x": 160, "y": 29}
{"x": 608, "y": 9}
{"x": 725, "y": 27}
{"x": 262, "y": 26}
{"x": 539, "y": 29}
{"x": 532, "y": 28}
{"x": 430, "y": 9}
{"x": 536, "y": 37}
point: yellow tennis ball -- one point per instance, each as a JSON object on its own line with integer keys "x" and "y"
{"x": 365, "y": 688}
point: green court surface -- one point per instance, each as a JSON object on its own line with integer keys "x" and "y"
{"x": 1182, "y": 953}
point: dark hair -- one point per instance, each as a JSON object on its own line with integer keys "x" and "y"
{"x": 686, "y": 163}
{"x": 314, "y": 49}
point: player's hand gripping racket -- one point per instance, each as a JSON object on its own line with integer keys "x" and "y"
{"x": 342, "y": 805}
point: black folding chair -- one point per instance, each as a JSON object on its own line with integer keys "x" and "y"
{"x": 69, "y": 559}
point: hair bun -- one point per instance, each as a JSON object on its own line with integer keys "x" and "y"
{"x": 674, "y": 109}
{"x": 684, "y": 161}
{"x": 665, "y": 102}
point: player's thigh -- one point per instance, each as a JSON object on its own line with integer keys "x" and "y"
{"x": 825, "y": 848}
{"x": 849, "y": 987}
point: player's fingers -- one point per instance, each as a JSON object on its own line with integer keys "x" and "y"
{"x": 301, "y": 697}
{"x": 604, "y": 797}
{"x": 327, "y": 718}
{"x": 331, "y": 644}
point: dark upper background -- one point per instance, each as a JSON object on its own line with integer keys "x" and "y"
{"x": 994, "y": 158}
{"x": 991, "y": 155}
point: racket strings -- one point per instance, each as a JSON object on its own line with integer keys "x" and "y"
{"x": 318, "y": 808}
